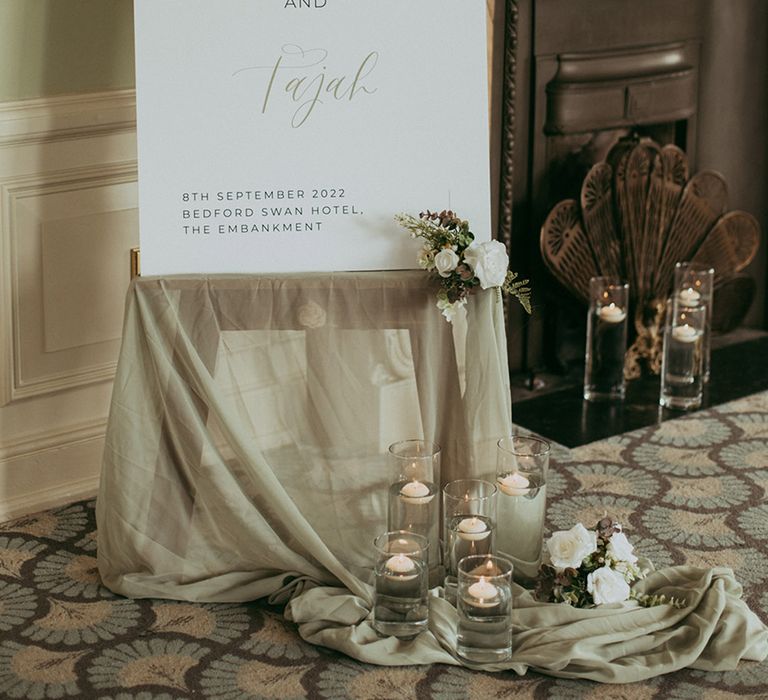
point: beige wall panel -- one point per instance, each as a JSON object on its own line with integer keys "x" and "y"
{"x": 84, "y": 257}
{"x": 49, "y": 478}
{"x": 41, "y": 211}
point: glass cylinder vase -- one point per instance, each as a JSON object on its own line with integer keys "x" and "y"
{"x": 682, "y": 379}
{"x": 522, "y": 463}
{"x": 484, "y": 607}
{"x": 400, "y": 598}
{"x": 694, "y": 286}
{"x": 469, "y": 524}
{"x": 606, "y": 339}
{"x": 413, "y": 504}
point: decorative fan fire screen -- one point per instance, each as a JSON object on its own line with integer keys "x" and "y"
{"x": 638, "y": 215}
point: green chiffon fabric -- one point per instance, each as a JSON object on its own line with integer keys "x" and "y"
{"x": 245, "y": 458}
{"x": 250, "y": 418}
{"x": 621, "y": 643}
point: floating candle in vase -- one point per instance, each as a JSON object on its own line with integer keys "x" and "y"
{"x": 610, "y": 313}
{"x": 606, "y": 339}
{"x": 685, "y": 333}
{"x": 482, "y": 594}
{"x": 689, "y": 297}
{"x": 402, "y": 567}
{"x": 484, "y": 607}
{"x": 400, "y": 591}
{"x": 473, "y": 529}
{"x": 416, "y": 492}
{"x": 514, "y": 484}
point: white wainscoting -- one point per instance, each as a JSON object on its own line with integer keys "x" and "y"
{"x": 68, "y": 218}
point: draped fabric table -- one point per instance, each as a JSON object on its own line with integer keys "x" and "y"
{"x": 244, "y": 459}
{"x": 246, "y": 443}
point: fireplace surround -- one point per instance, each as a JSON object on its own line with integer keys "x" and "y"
{"x": 579, "y": 75}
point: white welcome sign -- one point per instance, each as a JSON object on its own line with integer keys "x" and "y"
{"x": 284, "y": 135}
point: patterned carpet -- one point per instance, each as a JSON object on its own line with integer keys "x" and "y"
{"x": 689, "y": 491}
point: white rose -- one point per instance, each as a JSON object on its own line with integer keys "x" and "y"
{"x": 446, "y": 261}
{"x": 607, "y": 586}
{"x": 489, "y": 261}
{"x": 619, "y": 548}
{"x": 568, "y": 548}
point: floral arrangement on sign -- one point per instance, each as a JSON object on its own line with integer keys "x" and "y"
{"x": 460, "y": 263}
{"x": 593, "y": 567}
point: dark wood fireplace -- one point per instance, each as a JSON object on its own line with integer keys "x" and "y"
{"x": 580, "y": 74}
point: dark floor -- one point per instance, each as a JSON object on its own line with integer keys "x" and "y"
{"x": 562, "y": 415}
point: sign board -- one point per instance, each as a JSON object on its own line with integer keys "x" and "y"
{"x": 284, "y": 135}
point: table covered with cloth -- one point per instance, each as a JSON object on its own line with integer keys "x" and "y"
{"x": 245, "y": 459}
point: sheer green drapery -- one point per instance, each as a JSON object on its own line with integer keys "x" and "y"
{"x": 250, "y": 419}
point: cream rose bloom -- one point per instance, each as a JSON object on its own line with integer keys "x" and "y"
{"x": 446, "y": 261}
{"x": 489, "y": 261}
{"x": 619, "y": 548}
{"x": 568, "y": 548}
{"x": 426, "y": 258}
{"x": 607, "y": 586}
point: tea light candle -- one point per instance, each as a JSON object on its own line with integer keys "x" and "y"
{"x": 685, "y": 333}
{"x": 689, "y": 297}
{"x": 473, "y": 529}
{"x": 612, "y": 313}
{"x": 400, "y": 565}
{"x": 416, "y": 492}
{"x": 514, "y": 484}
{"x": 483, "y": 594}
